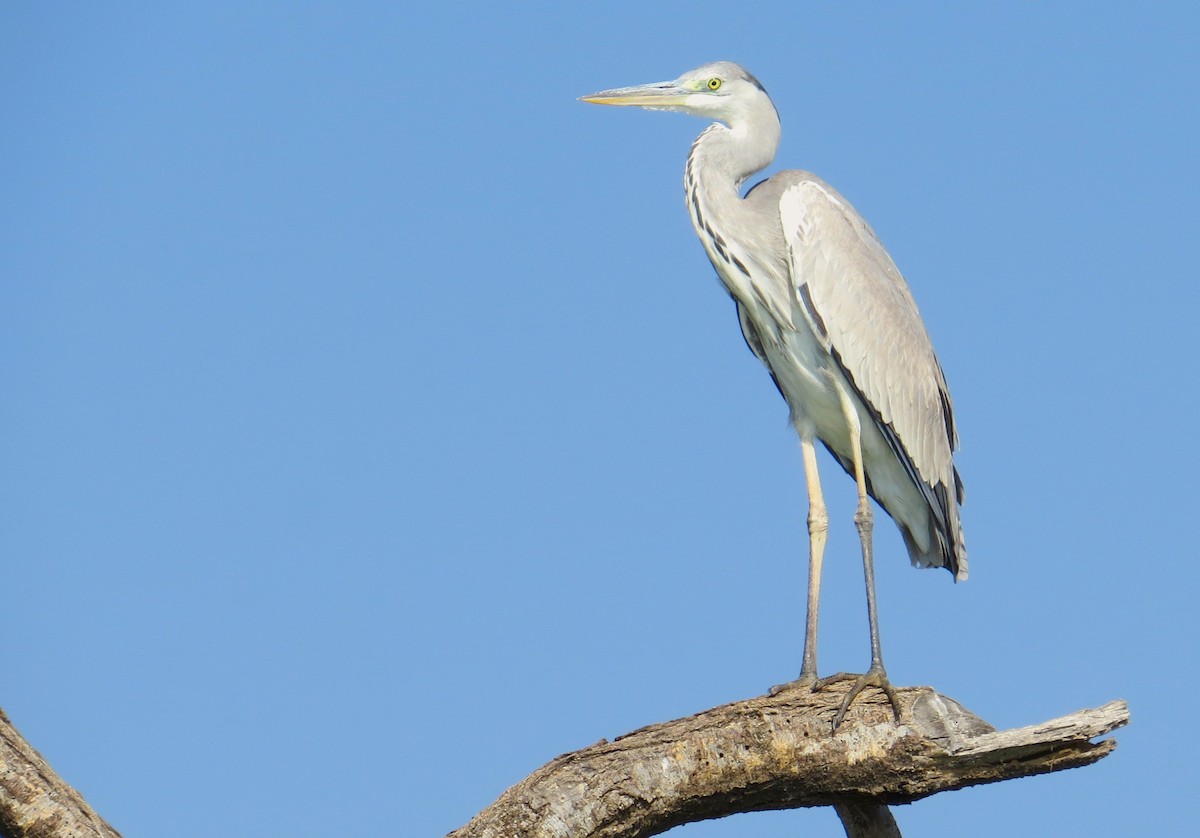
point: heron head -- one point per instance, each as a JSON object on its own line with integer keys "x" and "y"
{"x": 722, "y": 90}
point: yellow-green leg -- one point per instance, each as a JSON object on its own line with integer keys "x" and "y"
{"x": 876, "y": 676}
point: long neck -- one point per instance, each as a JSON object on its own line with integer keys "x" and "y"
{"x": 720, "y": 161}
{"x": 724, "y": 156}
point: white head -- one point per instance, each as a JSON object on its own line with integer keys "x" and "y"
{"x": 722, "y": 91}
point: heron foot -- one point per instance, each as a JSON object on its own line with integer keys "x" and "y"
{"x": 873, "y": 677}
{"x": 805, "y": 681}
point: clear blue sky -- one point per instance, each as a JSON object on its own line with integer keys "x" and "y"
{"x": 374, "y": 429}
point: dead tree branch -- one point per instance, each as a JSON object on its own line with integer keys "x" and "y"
{"x": 34, "y": 801}
{"x": 777, "y": 752}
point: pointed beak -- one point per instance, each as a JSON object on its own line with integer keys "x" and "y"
{"x": 663, "y": 94}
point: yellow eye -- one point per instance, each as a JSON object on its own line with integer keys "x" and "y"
{"x": 714, "y": 83}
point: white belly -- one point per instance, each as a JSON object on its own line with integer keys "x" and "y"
{"x": 810, "y": 379}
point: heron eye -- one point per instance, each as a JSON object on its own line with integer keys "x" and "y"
{"x": 714, "y": 83}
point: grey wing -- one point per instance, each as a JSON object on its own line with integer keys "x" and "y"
{"x": 754, "y": 342}
{"x": 855, "y": 300}
{"x": 750, "y": 334}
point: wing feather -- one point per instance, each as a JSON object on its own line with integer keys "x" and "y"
{"x": 857, "y": 303}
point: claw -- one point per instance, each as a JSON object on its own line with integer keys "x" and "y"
{"x": 873, "y": 677}
{"x": 808, "y": 681}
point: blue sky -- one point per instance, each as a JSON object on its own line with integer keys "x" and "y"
{"x": 375, "y": 429}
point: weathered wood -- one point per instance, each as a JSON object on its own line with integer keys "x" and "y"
{"x": 867, "y": 819}
{"x": 34, "y": 801}
{"x": 778, "y": 752}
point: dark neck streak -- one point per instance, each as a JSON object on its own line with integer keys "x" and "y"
{"x": 720, "y": 161}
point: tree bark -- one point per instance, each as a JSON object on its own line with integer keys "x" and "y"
{"x": 34, "y": 801}
{"x": 778, "y": 752}
{"x": 867, "y": 819}
{"x": 774, "y": 752}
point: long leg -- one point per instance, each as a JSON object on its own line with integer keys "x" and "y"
{"x": 864, "y": 523}
{"x": 818, "y": 529}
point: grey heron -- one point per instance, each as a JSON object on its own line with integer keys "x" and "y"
{"x": 823, "y": 306}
